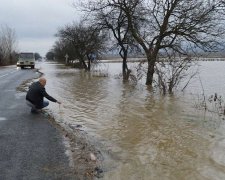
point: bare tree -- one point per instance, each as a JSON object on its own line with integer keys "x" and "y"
{"x": 114, "y": 20}
{"x": 7, "y": 45}
{"x": 85, "y": 40}
{"x": 173, "y": 69}
{"x": 50, "y": 55}
{"x": 178, "y": 25}
{"x": 63, "y": 47}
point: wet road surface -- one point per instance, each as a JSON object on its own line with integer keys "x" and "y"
{"x": 30, "y": 147}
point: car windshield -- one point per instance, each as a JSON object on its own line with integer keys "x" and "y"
{"x": 26, "y": 55}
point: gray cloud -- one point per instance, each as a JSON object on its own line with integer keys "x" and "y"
{"x": 36, "y": 21}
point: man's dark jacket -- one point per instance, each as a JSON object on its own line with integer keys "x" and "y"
{"x": 36, "y": 94}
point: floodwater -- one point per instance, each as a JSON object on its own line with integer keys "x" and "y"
{"x": 147, "y": 136}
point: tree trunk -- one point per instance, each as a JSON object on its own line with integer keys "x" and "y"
{"x": 151, "y": 69}
{"x": 123, "y": 55}
{"x": 124, "y": 66}
{"x": 84, "y": 65}
{"x": 125, "y": 69}
{"x": 89, "y": 64}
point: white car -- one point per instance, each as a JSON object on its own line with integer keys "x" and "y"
{"x": 26, "y": 59}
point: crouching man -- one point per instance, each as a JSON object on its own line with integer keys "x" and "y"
{"x": 35, "y": 96}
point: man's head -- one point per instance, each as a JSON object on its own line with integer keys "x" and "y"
{"x": 42, "y": 81}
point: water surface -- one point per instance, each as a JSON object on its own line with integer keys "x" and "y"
{"x": 148, "y": 136}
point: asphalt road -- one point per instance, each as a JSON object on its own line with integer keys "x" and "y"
{"x": 30, "y": 147}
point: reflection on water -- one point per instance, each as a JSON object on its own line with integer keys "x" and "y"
{"x": 150, "y": 137}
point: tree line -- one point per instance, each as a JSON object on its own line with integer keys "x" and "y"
{"x": 177, "y": 30}
{"x": 7, "y": 45}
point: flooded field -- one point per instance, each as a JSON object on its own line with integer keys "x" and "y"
{"x": 147, "y": 136}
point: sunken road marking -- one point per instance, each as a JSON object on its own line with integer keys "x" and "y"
{"x": 11, "y": 72}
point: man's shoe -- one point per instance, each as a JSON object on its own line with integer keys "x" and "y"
{"x": 34, "y": 111}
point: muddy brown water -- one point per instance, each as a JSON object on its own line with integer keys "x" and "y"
{"x": 147, "y": 136}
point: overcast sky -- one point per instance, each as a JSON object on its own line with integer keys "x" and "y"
{"x": 36, "y": 21}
